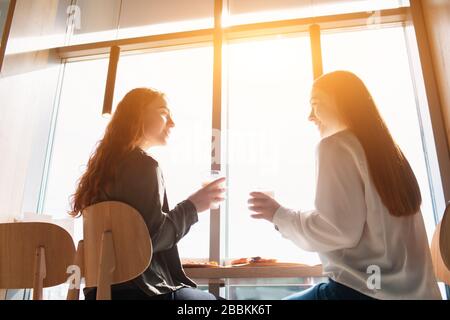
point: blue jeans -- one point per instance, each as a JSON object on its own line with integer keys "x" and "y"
{"x": 329, "y": 291}
{"x": 136, "y": 294}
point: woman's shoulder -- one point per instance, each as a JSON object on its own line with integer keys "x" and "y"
{"x": 139, "y": 156}
{"x": 342, "y": 146}
{"x": 342, "y": 141}
{"x": 137, "y": 162}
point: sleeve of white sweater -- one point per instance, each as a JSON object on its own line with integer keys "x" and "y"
{"x": 340, "y": 208}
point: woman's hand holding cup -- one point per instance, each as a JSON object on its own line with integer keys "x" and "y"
{"x": 209, "y": 195}
{"x": 263, "y": 204}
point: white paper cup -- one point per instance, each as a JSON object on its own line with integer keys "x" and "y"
{"x": 209, "y": 177}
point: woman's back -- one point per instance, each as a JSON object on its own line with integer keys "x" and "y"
{"x": 138, "y": 182}
{"x": 396, "y": 248}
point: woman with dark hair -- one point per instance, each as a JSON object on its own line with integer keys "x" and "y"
{"x": 121, "y": 170}
{"x": 367, "y": 226}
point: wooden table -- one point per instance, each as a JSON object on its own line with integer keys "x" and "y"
{"x": 216, "y": 275}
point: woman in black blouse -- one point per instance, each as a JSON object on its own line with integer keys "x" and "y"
{"x": 121, "y": 170}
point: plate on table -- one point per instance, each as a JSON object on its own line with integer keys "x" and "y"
{"x": 210, "y": 264}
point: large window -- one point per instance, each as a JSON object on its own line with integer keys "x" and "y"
{"x": 78, "y": 128}
{"x": 270, "y": 142}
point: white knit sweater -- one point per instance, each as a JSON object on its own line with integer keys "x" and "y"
{"x": 354, "y": 233}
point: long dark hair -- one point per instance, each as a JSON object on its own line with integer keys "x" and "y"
{"x": 389, "y": 169}
{"x": 124, "y": 133}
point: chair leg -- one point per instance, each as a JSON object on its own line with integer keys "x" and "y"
{"x": 74, "y": 292}
{"x": 106, "y": 267}
{"x": 39, "y": 273}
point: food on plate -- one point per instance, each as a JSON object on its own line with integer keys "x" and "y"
{"x": 240, "y": 261}
{"x": 253, "y": 261}
{"x": 262, "y": 260}
{"x": 196, "y": 264}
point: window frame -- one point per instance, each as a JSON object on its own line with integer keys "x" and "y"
{"x": 6, "y": 30}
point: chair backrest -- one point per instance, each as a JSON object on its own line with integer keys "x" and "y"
{"x": 34, "y": 255}
{"x": 117, "y": 245}
{"x": 444, "y": 237}
{"x": 440, "y": 248}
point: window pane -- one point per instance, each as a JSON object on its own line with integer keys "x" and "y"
{"x": 380, "y": 59}
{"x": 135, "y": 18}
{"x": 95, "y": 21}
{"x": 148, "y": 17}
{"x": 185, "y": 76}
{"x": 4, "y": 5}
{"x": 37, "y": 25}
{"x": 79, "y": 126}
{"x": 258, "y": 11}
{"x": 271, "y": 145}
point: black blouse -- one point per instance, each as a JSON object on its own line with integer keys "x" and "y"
{"x": 140, "y": 184}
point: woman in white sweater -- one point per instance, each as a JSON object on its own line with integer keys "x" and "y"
{"x": 366, "y": 226}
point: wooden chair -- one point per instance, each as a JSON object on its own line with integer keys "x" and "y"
{"x": 440, "y": 248}
{"x": 116, "y": 247}
{"x": 34, "y": 255}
